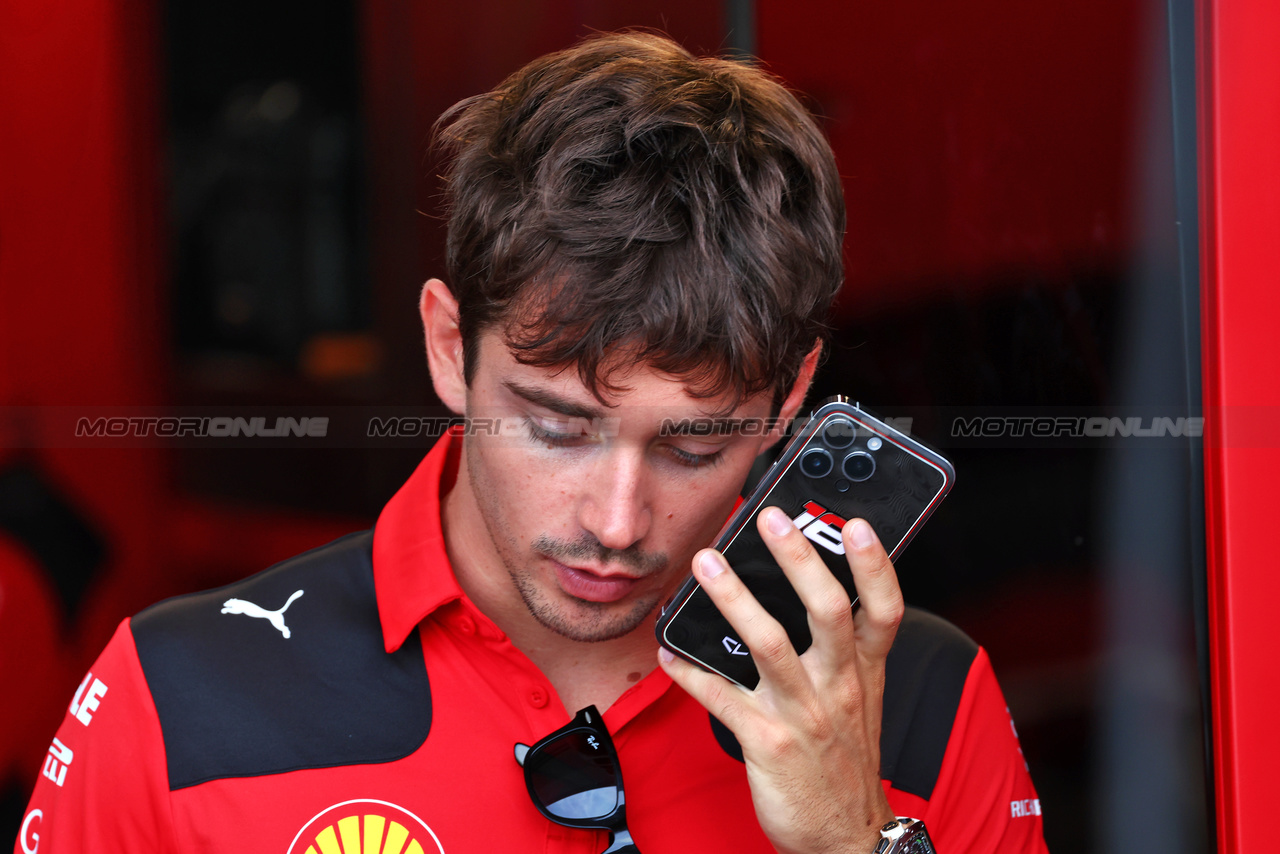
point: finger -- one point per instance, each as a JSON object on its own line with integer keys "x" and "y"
{"x": 771, "y": 650}
{"x": 829, "y": 608}
{"x": 881, "y": 605}
{"x": 722, "y": 698}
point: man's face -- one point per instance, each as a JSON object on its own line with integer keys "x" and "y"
{"x": 595, "y": 521}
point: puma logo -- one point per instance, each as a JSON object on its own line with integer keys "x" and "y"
{"x": 276, "y": 618}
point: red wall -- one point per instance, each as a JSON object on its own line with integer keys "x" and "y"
{"x": 1240, "y": 219}
{"x": 978, "y": 140}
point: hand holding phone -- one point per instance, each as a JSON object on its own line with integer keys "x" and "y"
{"x": 842, "y": 464}
{"x": 810, "y": 729}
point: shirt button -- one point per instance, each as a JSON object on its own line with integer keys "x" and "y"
{"x": 466, "y": 625}
{"x": 538, "y": 697}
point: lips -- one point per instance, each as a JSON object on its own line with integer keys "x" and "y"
{"x": 592, "y": 586}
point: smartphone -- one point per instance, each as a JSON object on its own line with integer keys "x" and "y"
{"x": 843, "y": 463}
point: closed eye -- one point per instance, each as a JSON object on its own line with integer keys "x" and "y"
{"x": 559, "y": 434}
{"x": 692, "y": 460}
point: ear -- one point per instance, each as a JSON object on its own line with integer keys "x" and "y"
{"x": 439, "y": 312}
{"x": 795, "y": 398}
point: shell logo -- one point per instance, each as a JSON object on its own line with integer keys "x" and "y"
{"x": 366, "y": 827}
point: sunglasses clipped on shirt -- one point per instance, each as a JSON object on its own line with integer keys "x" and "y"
{"x": 574, "y": 779}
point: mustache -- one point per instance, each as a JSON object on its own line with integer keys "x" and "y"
{"x": 589, "y": 548}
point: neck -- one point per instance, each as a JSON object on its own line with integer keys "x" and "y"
{"x": 582, "y": 673}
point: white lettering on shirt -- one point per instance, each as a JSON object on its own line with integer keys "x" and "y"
{"x": 83, "y": 709}
{"x": 29, "y": 834}
{"x": 1025, "y": 807}
{"x": 55, "y": 764}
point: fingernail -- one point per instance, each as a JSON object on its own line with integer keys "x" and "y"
{"x": 778, "y": 522}
{"x": 665, "y": 655}
{"x": 862, "y": 535}
{"x": 710, "y": 564}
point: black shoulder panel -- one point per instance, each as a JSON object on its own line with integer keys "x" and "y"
{"x": 924, "y": 679}
{"x": 243, "y": 692}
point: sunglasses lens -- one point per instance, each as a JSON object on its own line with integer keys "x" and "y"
{"x": 574, "y": 777}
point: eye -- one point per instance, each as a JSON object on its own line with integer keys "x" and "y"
{"x": 558, "y": 433}
{"x": 692, "y": 460}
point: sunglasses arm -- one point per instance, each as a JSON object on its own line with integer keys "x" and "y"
{"x": 622, "y": 844}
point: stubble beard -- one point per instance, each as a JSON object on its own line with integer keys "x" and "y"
{"x": 589, "y": 622}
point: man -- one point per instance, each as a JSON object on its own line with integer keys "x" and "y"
{"x": 635, "y": 235}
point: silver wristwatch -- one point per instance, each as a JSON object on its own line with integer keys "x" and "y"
{"x": 904, "y": 836}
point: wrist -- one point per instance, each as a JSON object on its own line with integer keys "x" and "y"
{"x": 866, "y": 836}
{"x": 860, "y": 839}
{"x": 866, "y": 842}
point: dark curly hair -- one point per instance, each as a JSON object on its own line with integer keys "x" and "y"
{"x": 624, "y": 201}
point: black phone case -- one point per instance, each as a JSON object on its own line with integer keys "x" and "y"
{"x": 907, "y": 482}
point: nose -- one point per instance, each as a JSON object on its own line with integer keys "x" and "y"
{"x": 615, "y": 508}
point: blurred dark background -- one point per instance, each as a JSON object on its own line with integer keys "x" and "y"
{"x": 230, "y": 208}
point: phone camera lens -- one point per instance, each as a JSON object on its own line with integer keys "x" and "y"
{"x": 859, "y": 466}
{"x": 816, "y": 462}
{"x": 840, "y": 433}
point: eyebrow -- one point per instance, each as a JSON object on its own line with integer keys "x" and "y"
{"x": 554, "y": 402}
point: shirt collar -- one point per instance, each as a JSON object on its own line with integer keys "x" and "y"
{"x": 411, "y": 571}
